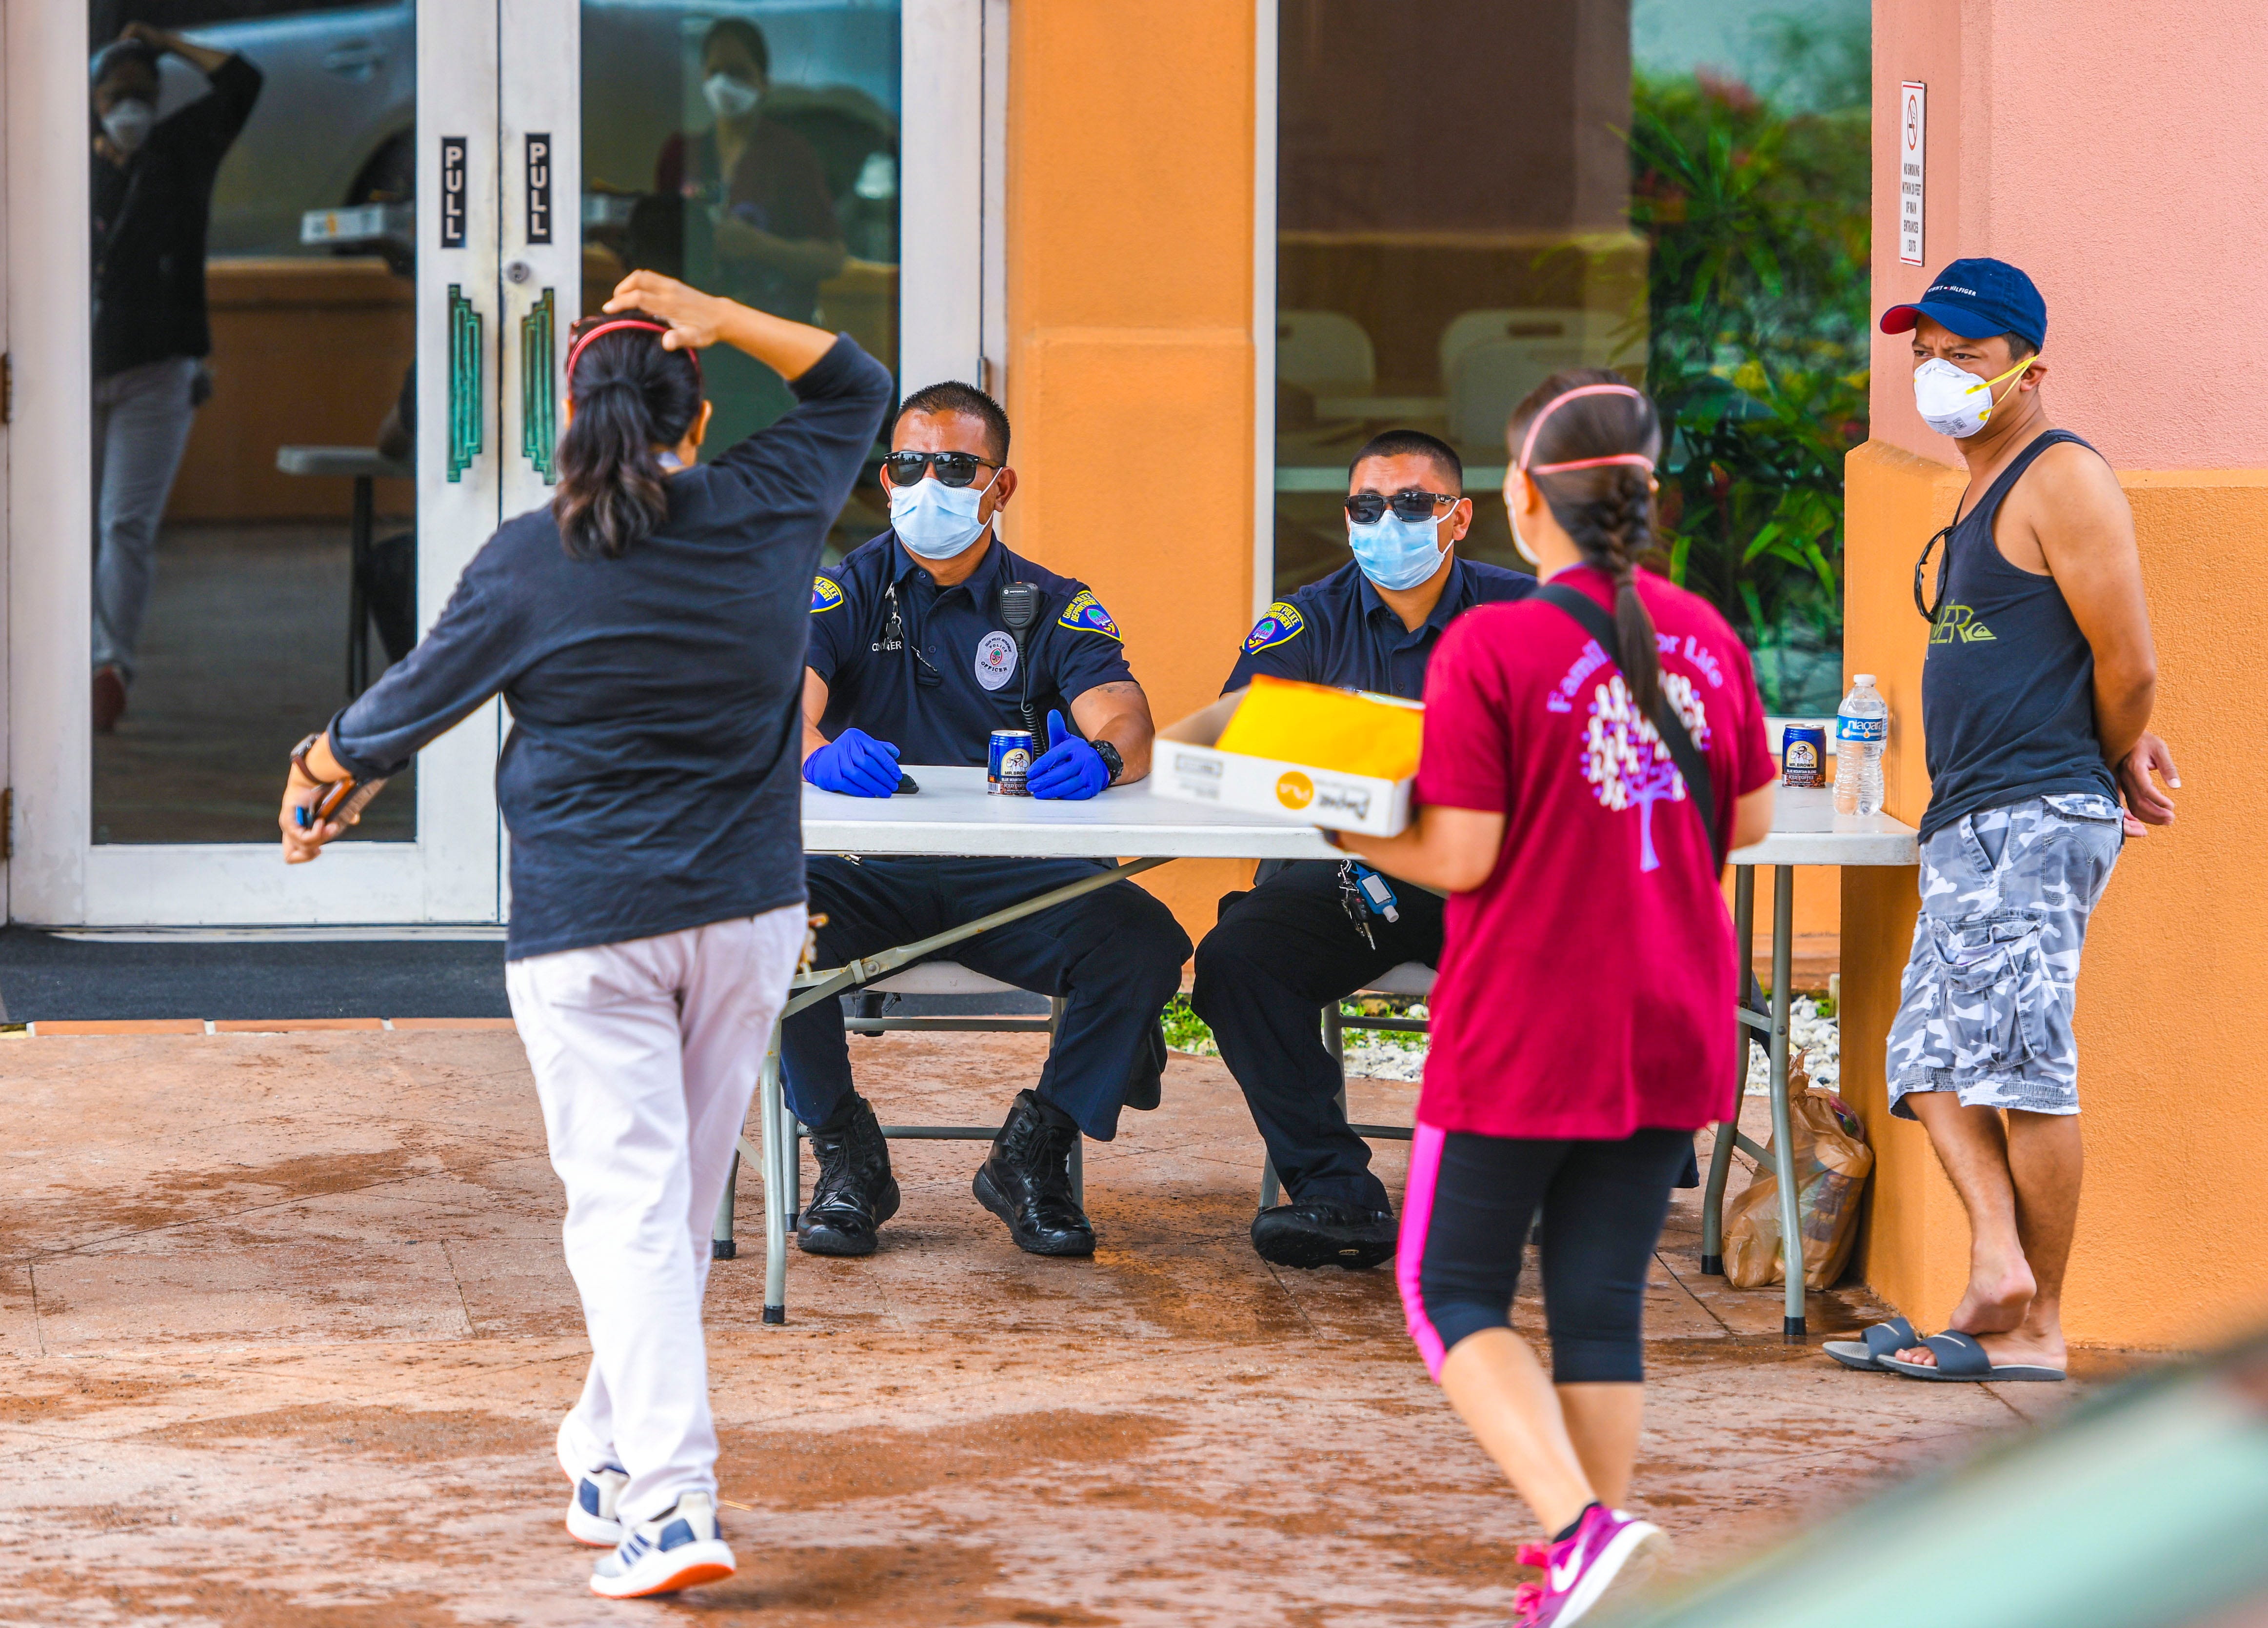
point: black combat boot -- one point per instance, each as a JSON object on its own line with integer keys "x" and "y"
{"x": 1324, "y": 1234}
{"x": 855, "y": 1193}
{"x": 1026, "y": 1181}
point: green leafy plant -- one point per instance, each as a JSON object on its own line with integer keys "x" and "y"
{"x": 1757, "y": 346}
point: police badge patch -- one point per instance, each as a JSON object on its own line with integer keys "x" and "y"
{"x": 996, "y": 659}
{"x": 824, "y": 595}
{"x": 1280, "y": 626}
{"x": 1085, "y": 614}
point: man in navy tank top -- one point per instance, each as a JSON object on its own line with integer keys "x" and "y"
{"x": 2035, "y": 693}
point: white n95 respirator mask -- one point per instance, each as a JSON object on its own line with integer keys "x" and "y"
{"x": 1954, "y": 402}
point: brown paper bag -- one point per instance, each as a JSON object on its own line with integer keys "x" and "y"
{"x": 1832, "y": 1162}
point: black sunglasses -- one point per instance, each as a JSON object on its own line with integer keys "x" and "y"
{"x": 1921, "y": 567}
{"x": 1367, "y": 508}
{"x": 952, "y": 468}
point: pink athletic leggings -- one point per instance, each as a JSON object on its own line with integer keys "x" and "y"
{"x": 1465, "y": 1220}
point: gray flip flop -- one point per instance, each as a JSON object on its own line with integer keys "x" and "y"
{"x": 1870, "y": 1350}
{"x": 1961, "y": 1359}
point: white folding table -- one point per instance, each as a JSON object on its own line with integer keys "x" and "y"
{"x": 1805, "y": 830}
{"x": 952, "y": 816}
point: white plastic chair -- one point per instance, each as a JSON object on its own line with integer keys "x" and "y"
{"x": 1412, "y": 978}
{"x": 1528, "y": 324}
{"x": 1494, "y": 376}
{"x": 1315, "y": 349}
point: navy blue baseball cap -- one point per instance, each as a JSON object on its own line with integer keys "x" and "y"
{"x": 1978, "y": 298}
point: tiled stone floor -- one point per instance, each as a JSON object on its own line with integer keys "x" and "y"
{"x": 284, "y": 1335}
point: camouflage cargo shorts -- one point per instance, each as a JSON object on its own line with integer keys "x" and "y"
{"x": 1985, "y": 1010}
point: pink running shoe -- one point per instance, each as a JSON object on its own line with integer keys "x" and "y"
{"x": 1610, "y": 1554}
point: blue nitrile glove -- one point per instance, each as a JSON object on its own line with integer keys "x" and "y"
{"x": 856, "y": 764}
{"x": 1072, "y": 771}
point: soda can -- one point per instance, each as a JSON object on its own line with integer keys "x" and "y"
{"x": 1005, "y": 760}
{"x": 1803, "y": 754}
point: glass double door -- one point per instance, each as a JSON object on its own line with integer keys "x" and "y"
{"x": 336, "y": 255}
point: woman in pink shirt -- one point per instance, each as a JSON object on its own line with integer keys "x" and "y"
{"x": 1583, "y": 1023}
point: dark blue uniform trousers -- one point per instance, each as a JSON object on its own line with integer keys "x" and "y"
{"x": 1114, "y": 955}
{"x": 1280, "y": 955}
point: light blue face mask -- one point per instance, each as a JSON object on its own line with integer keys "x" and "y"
{"x": 1395, "y": 553}
{"x": 934, "y": 521}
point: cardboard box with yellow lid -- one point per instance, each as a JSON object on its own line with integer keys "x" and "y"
{"x": 1305, "y": 753}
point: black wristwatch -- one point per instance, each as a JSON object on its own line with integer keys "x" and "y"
{"x": 1111, "y": 761}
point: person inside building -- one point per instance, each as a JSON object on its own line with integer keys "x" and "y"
{"x": 1312, "y": 931}
{"x": 742, "y": 206}
{"x": 911, "y": 660}
{"x": 150, "y": 181}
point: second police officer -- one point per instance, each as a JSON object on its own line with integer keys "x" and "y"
{"x": 1308, "y": 934}
{"x": 910, "y": 659}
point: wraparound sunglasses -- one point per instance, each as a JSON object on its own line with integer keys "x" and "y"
{"x": 952, "y": 468}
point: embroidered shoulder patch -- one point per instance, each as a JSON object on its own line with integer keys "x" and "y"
{"x": 1280, "y": 626}
{"x": 1084, "y": 613}
{"x": 824, "y": 595}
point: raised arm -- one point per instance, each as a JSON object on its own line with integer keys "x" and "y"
{"x": 697, "y": 320}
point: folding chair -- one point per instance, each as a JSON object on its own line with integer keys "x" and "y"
{"x": 1412, "y": 978}
{"x": 928, "y": 977}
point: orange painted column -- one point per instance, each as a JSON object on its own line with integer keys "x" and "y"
{"x": 1129, "y": 200}
{"x": 2097, "y": 150}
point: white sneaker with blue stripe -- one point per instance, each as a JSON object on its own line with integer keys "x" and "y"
{"x": 677, "y": 1549}
{"x": 590, "y": 1509}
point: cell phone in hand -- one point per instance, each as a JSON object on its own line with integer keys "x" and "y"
{"x": 340, "y": 801}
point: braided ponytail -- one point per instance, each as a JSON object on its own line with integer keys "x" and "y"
{"x": 1589, "y": 441}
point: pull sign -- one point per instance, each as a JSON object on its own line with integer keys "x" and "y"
{"x": 539, "y": 188}
{"x": 452, "y": 192}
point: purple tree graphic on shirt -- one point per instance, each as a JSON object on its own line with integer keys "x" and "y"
{"x": 1623, "y": 756}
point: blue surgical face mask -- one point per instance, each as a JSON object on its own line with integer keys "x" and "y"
{"x": 935, "y": 521}
{"x": 1395, "y": 553}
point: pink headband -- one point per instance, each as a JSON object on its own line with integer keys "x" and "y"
{"x": 575, "y": 351}
{"x": 1552, "y": 406}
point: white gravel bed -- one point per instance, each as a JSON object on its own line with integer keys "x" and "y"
{"x": 1401, "y": 1054}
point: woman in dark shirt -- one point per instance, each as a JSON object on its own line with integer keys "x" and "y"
{"x": 648, "y": 630}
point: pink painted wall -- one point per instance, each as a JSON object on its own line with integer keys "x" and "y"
{"x": 2119, "y": 154}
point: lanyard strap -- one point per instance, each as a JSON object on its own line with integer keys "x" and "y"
{"x": 1690, "y": 761}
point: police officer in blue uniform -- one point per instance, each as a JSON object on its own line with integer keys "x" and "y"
{"x": 910, "y": 659}
{"x": 1314, "y": 930}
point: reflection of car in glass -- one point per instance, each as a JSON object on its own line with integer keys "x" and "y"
{"x": 336, "y": 119}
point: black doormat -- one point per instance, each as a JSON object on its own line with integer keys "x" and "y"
{"x": 45, "y": 977}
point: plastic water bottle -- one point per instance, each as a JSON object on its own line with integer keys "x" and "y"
{"x": 1862, "y": 728}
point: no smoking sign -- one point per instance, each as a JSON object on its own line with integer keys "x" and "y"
{"x": 1913, "y": 104}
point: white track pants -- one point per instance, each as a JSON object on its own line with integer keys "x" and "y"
{"x": 646, "y": 1054}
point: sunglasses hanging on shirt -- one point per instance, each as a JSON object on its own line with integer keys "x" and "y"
{"x": 1921, "y": 573}
{"x": 1368, "y": 508}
